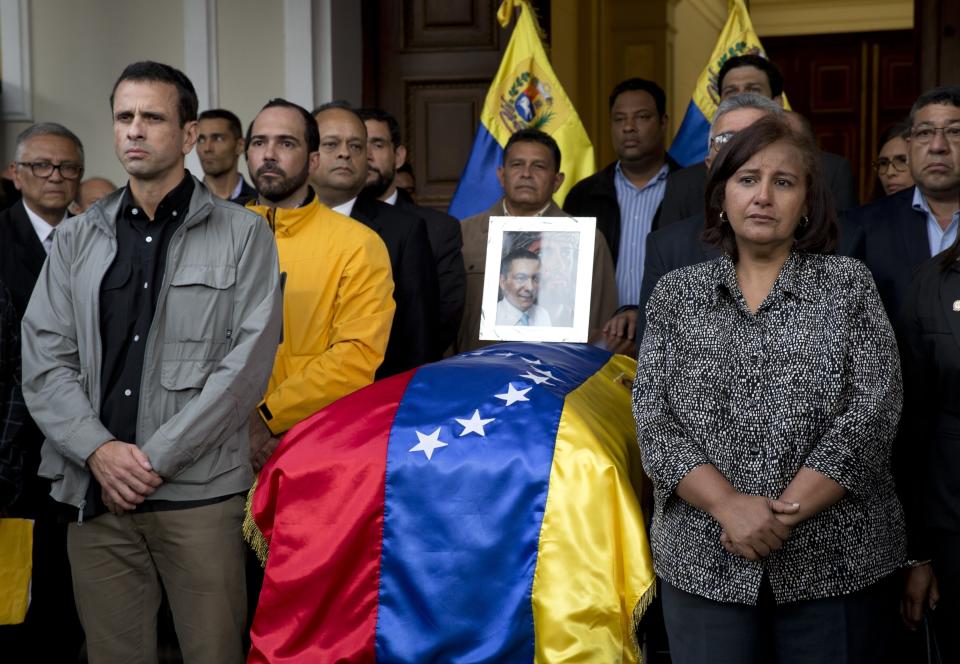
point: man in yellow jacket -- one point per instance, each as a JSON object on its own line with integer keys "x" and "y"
{"x": 338, "y": 289}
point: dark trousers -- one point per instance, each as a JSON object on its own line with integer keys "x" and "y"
{"x": 849, "y": 629}
{"x": 945, "y": 547}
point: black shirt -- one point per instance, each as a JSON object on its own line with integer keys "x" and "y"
{"x": 128, "y": 299}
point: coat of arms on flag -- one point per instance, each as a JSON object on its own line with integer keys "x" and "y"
{"x": 482, "y": 508}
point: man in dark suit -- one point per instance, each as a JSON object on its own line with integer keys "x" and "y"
{"x": 895, "y": 235}
{"x": 625, "y": 196}
{"x": 899, "y": 232}
{"x": 47, "y": 168}
{"x": 385, "y": 154}
{"x": 338, "y": 181}
{"x": 749, "y": 74}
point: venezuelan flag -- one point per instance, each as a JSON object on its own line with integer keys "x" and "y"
{"x": 479, "y": 509}
{"x": 524, "y": 93}
{"x": 737, "y": 38}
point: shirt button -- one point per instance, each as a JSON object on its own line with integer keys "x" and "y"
{"x": 145, "y": 284}
{"x": 174, "y": 213}
{"x": 149, "y": 238}
{"x": 127, "y": 392}
{"x": 136, "y": 337}
{"x": 134, "y": 211}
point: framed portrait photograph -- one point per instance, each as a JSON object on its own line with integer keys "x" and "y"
{"x": 537, "y": 280}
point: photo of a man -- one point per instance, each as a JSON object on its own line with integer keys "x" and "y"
{"x": 520, "y": 285}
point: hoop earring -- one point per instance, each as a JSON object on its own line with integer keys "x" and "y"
{"x": 723, "y": 217}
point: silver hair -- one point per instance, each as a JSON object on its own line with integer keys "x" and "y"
{"x": 46, "y": 129}
{"x": 745, "y": 100}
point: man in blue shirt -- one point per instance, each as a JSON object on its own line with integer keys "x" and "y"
{"x": 625, "y": 196}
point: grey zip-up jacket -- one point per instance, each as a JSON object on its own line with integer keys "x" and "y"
{"x": 208, "y": 356}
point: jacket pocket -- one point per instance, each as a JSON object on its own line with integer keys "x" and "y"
{"x": 185, "y": 365}
{"x": 200, "y": 303}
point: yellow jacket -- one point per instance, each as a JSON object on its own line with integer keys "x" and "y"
{"x": 337, "y": 310}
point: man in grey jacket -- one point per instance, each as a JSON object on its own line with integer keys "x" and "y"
{"x": 147, "y": 342}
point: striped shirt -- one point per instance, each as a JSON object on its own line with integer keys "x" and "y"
{"x": 638, "y": 205}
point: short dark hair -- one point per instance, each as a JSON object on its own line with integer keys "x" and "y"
{"x": 156, "y": 72}
{"x": 818, "y": 235}
{"x": 223, "y": 114}
{"x": 515, "y": 255}
{"x": 774, "y": 77}
{"x": 945, "y": 94}
{"x": 380, "y": 115}
{"x": 642, "y": 84}
{"x": 311, "y": 135}
{"x": 533, "y": 136}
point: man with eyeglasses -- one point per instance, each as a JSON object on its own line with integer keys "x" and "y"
{"x": 896, "y": 235}
{"x": 749, "y": 74}
{"x": 47, "y": 167}
{"x": 899, "y": 232}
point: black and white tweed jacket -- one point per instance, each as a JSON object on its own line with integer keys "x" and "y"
{"x": 811, "y": 379}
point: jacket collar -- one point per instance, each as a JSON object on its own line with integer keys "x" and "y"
{"x": 603, "y": 183}
{"x": 104, "y": 212}
{"x": 288, "y": 221}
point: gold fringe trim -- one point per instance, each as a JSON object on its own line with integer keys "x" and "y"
{"x": 251, "y": 532}
{"x": 638, "y": 612}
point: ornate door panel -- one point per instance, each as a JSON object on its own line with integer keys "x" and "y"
{"x": 851, "y": 87}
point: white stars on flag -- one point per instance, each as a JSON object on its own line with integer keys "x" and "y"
{"x": 474, "y": 425}
{"x": 428, "y": 444}
{"x": 513, "y": 395}
{"x": 536, "y": 379}
{"x": 534, "y": 376}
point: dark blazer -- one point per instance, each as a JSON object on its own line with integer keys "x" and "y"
{"x": 415, "y": 288}
{"x": 21, "y": 255}
{"x": 670, "y": 247}
{"x": 21, "y": 258}
{"x": 247, "y": 193}
{"x": 446, "y": 239}
{"x": 927, "y": 460}
{"x": 596, "y": 196}
{"x": 686, "y": 188}
{"x": 891, "y": 238}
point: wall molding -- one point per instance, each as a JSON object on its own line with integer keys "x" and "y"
{"x": 712, "y": 12}
{"x": 200, "y": 50}
{"x": 298, "y": 51}
{"x": 776, "y": 18}
{"x": 16, "y": 102}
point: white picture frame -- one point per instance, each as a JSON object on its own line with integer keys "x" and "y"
{"x": 16, "y": 103}
{"x": 546, "y": 285}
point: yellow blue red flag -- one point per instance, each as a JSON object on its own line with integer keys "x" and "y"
{"x": 524, "y": 93}
{"x": 737, "y": 38}
{"x": 479, "y": 509}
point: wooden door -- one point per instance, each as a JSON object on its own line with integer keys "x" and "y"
{"x": 851, "y": 87}
{"x": 430, "y": 63}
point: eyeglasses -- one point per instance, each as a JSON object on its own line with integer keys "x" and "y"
{"x": 924, "y": 134}
{"x": 898, "y": 164}
{"x": 718, "y": 141}
{"x": 44, "y": 169}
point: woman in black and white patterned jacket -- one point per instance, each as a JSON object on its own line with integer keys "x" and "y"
{"x": 767, "y": 397}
